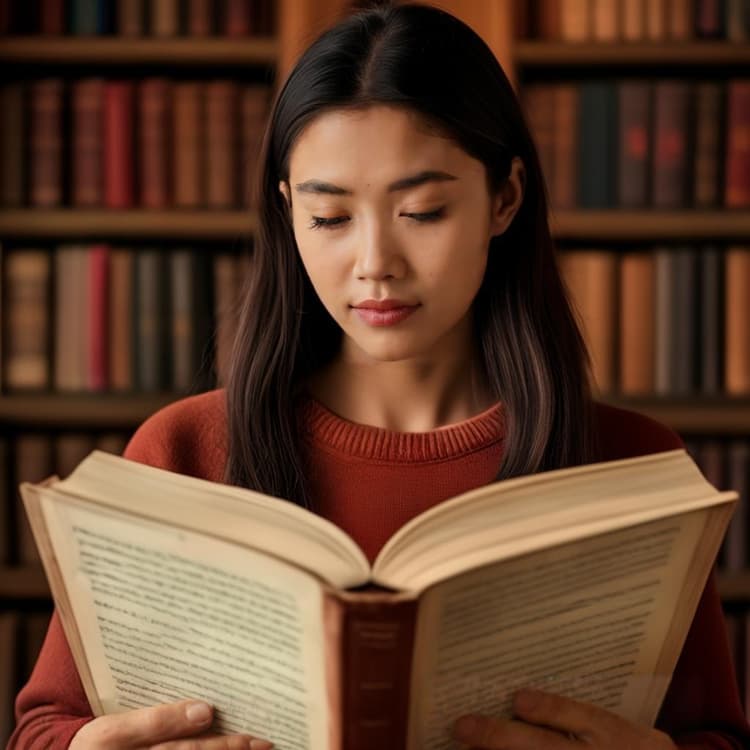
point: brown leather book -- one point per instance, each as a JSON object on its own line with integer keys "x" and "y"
{"x": 575, "y": 21}
{"x": 119, "y": 153}
{"x": 130, "y": 21}
{"x": 710, "y": 125}
{"x": 736, "y": 558}
{"x": 680, "y": 20}
{"x": 152, "y": 352}
{"x": 636, "y": 314}
{"x": 71, "y": 336}
{"x": 605, "y": 21}
{"x": 154, "y": 142}
{"x": 188, "y": 155}
{"x": 165, "y": 18}
{"x": 539, "y": 107}
{"x": 564, "y": 177}
{"x": 5, "y": 506}
{"x": 254, "y": 110}
{"x": 52, "y": 17}
{"x": 671, "y": 144}
{"x": 738, "y": 30}
{"x": 33, "y": 462}
{"x": 222, "y": 143}
{"x": 591, "y": 277}
{"x": 709, "y": 19}
{"x": 9, "y": 674}
{"x": 710, "y": 334}
{"x": 199, "y": 18}
{"x": 45, "y": 158}
{"x": 87, "y": 162}
{"x": 634, "y": 147}
{"x": 13, "y": 128}
{"x": 738, "y": 144}
{"x": 656, "y": 20}
{"x": 548, "y": 20}
{"x": 634, "y": 20}
{"x": 737, "y": 315}
{"x": 238, "y": 18}
{"x": 121, "y": 302}
{"x": 26, "y": 319}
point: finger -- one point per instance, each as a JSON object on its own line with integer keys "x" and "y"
{"x": 217, "y": 742}
{"x": 484, "y": 733}
{"x": 565, "y": 714}
{"x": 144, "y": 727}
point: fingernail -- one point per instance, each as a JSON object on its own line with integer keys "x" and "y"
{"x": 198, "y": 712}
{"x": 260, "y": 745}
{"x": 466, "y": 726}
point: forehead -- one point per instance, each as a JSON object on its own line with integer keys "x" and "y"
{"x": 374, "y": 142}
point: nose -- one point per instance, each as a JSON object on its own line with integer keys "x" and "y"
{"x": 378, "y": 254}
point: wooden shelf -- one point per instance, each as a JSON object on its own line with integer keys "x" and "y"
{"x": 698, "y": 416}
{"x": 690, "y": 225}
{"x": 695, "y": 416}
{"x": 30, "y": 583}
{"x": 529, "y": 54}
{"x": 100, "y": 50}
{"x": 735, "y": 587}
{"x": 187, "y": 223}
{"x": 80, "y": 411}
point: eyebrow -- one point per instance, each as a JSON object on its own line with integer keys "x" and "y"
{"x": 327, "y": 188}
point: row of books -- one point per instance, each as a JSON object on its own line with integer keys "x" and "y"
{"x": 94, "y": 318}
{"x": 726, "y": 465}
{"x": 134, "y": 18}
{"x": 664, "y": 320}
{"x": 151, "y": 143}
{"x": 32, "y": 457}
{"x": 637, "y": 143}
{"x": 635, "y": 20}
{"x": 738, "y": 629}
{"x": 22, "y": 633}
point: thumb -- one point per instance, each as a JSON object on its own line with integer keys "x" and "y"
{"x": 149, "y": 726}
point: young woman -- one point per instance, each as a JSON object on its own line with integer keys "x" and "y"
{"x": 405, "y": 336}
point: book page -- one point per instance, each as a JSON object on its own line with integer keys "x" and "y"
{"x": 167, "y": 613}
{"x": 586, "y": 620}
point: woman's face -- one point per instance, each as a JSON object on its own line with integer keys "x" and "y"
{"x": 386, "y": 211}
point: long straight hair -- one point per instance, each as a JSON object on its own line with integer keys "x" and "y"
{"x": 534, "y": 357}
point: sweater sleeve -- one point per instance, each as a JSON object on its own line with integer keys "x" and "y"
{"x": 52, "y": 706}
{"x": 702, "y": 709}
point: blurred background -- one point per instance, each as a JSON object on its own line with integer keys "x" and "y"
{"x": 129, "y": 133}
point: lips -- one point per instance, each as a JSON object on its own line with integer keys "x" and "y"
{"x": 379, "y": 313}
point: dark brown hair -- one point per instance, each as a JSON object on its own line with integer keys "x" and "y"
{"x": 429, "y": 62}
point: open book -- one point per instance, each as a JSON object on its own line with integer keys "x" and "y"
{"x": 581, "y": 581}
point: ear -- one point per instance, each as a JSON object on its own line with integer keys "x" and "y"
{"x": 507, "y": 201}
{"x": 284, "y": 190}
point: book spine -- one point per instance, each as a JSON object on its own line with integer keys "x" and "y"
{"x": 46, "y": 143}
{"x": 98, "y": 365}
{"x": 87, "y": 142}
{"x": 369, "y": 676}
{"x": 633, "y": 147}
{"x": 709, "y": 129}
{"x": 118, "y": 144}
{"x": 13, "y": 123}
{"x": 737, "y": 314}
{"x": 738, "y": 145}
{"x": 564, "y": 146}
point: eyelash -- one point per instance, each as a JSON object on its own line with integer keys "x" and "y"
{"x": 318, "y": 222}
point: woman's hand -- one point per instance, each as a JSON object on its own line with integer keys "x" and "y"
{"x": 557, "y": 723}
{"x": 170, "y": 726}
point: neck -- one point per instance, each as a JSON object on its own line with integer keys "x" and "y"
{"x": 404, "y": 396}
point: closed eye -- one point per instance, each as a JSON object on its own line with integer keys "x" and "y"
{"x": 316, "y": 222}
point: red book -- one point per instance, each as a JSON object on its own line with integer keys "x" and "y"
{"x": 238, "y": 20}
{"x": 98, "y": 318}
{"x": 118, "y": 144}
{"x": 670, "y": 152}
{"x": 87, "y": 142}
{"x": 738, "y": 145}
{"x": 52, "y": 17}
{"x": 154, "y": 141}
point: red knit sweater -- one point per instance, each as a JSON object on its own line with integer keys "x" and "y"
{"x": 371, "y": 481}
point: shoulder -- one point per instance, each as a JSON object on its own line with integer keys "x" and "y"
{"x": 623, "y": 433}
{"x": 188, "y": 436}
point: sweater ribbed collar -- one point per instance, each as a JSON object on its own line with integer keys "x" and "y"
{"x": 329, "y": 430}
